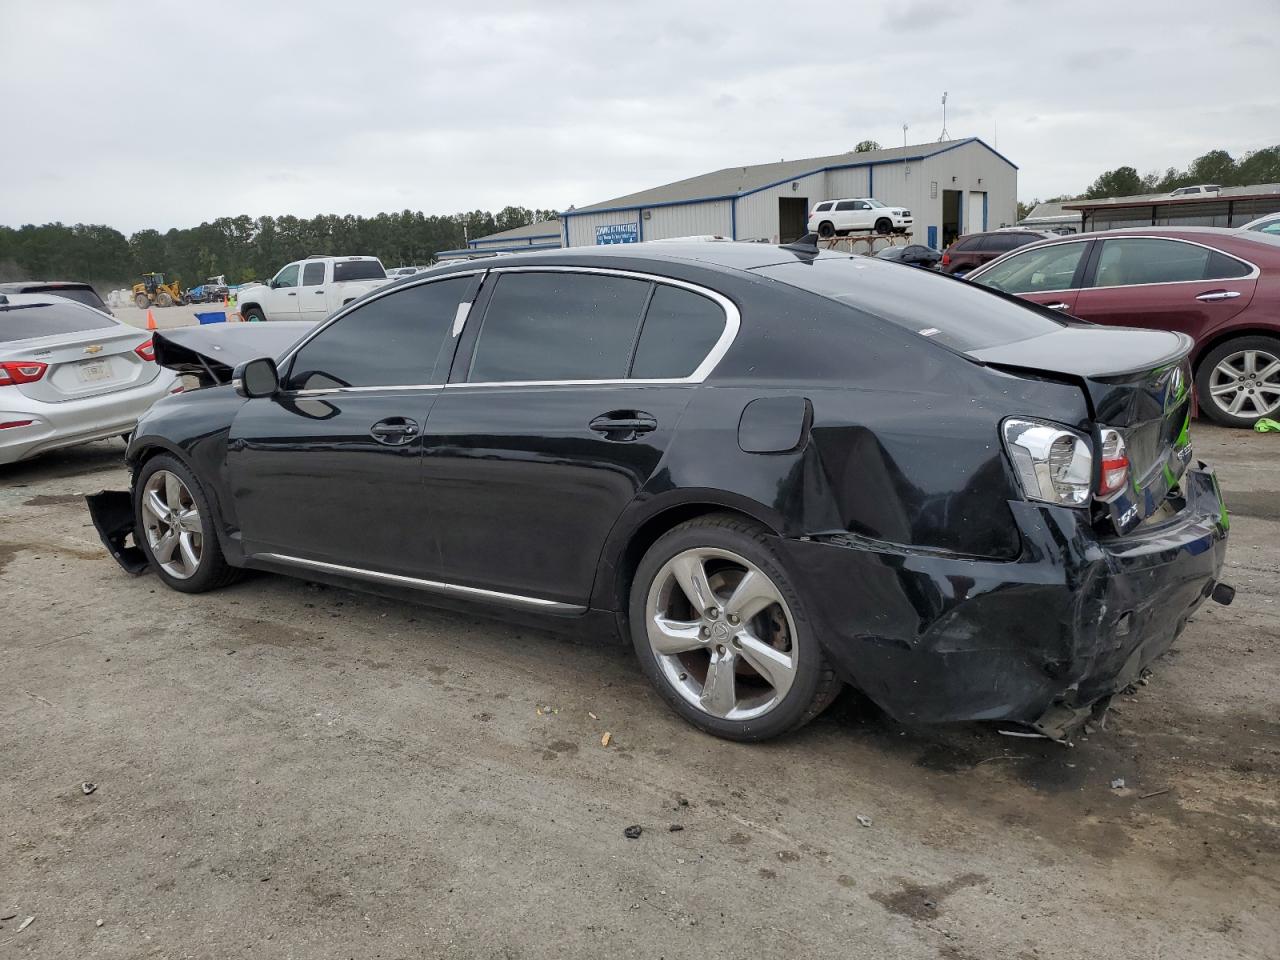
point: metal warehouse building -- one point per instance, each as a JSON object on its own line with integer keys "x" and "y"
{"x": 1228, "y": 207}
{"x": 952, "y": 187}
{"x": 544, "y": 235}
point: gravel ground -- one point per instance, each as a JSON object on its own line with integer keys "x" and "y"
{"x": 285, "y": 770}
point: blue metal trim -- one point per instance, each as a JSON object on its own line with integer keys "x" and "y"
{"x": 564, "y": 220}
{"x": 733, "y": 219}
{"x": 984, "y": 209}
{"x": 933, "y": 238}
{"x": 532, "y": 236}
{"x": 871, "y": 180}
{"x": 640, "y": 224}
{"x": 797, "y": 176}
{"x": 960, "y": 214}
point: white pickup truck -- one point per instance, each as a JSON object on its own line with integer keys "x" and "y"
{"x": 311, "y": 289}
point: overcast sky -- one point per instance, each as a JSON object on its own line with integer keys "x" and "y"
{"x": 149, "y": 114}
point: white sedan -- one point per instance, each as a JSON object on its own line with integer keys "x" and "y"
{"x": 839, "y": 217}
{"x": 70, "y": 374}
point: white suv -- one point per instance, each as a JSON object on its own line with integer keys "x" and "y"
{"x": 839, "y": 217}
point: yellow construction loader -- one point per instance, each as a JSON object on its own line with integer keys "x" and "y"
{"x": 154, "y": 292}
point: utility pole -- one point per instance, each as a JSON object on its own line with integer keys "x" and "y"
{"x": 944, "y": 135}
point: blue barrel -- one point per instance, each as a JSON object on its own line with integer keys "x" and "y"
{"x": 211, "y": 317}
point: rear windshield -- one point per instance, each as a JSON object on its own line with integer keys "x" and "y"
{"x": 22, "y": 321}
{"x": 84, "y": 295}
{"x": 952, "y": 312}
{"x": 358, "y": 270}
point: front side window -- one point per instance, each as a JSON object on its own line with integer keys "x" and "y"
{"x": 288, "y": 277}
{"x": 390, "y": 341}
{"x": 1139, "y": 260}
{"x": 313, "y": 275}
{"x": 558, "y": 326}
{"x": 1035, "y": 271}
{"x": 680, "y": 328}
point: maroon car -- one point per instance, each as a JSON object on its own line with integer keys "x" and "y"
{"x": 974, "y": 249}
{"x": 1221, "y": 287}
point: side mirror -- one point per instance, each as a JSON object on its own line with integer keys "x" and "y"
{"x": 271, "y": 284}
{"x": 256, "y": 378}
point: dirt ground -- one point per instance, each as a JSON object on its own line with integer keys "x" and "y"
{"x": 285, "y": 770}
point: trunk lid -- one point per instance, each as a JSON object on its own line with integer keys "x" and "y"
{"x": 1139, "y": 383}
{"x": 211, "y": 353}
{"x": 86, "y": 363}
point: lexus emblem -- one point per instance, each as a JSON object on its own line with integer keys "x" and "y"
{"x": 1175, "y": 389}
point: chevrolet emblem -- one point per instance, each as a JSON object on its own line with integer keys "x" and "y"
{"x": 93, "y": 348}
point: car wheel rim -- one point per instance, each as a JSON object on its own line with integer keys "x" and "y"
{"x": 721, "y": 633}
{"x": 172, "y": 524}
{"x": 1246, "y": 383}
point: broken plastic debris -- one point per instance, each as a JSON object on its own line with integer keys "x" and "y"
{"x": 592, "y": 715}
{"x": 1117, "y": 783}
{"x": 88, "y": 787}
{"x": 633, "y": 832}
{"x": 864, "y": 820}
{"x": 98, "y": 922}
{"x": 604, "y": 741}
{"x": 25, "y": 923}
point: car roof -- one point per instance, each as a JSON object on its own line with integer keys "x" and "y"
{"x": 12, "y": 300}
{"x": 22, "y": 286}
{"x": 732, "y": 256}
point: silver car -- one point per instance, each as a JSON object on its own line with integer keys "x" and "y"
{"x": 70, "y": 374}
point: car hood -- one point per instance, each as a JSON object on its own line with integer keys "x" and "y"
{"x": 212, "y": 352}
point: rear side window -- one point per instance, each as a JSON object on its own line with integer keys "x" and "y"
{"x": 823, "y": 206}
{"x": 86, "y": 295}
{"x": 558, "y": 326}
{"x": 967, "y": 245}
{"x": 1004, "y": 242}
{"x": 953, "y": 312}
{"x": 390, "y": 341}
{"x": 1035, "y": 271}
{"x": 24, "y": 321}
{"x": 680, "y": 328}
{"x": 344, "y": 270}
{"x": 1138, "y": 260}
{"x": 313, "y": 275}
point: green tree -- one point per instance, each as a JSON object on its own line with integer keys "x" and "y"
{"x": 1120, "y": 182}
{"x": 866, "y": 146}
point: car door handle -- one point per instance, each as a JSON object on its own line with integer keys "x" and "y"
{"x": 1214, "y": 295}
{"x": 319, "y": 293}
{"x": 623, "y": 424}
{"x": 293, "y": 293}
{"x": 394, "y": 430}
{"x": 1057, "y": 306}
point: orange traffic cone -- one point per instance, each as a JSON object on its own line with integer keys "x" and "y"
{"x": 151, "y": 320}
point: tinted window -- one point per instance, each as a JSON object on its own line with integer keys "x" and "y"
{"x": 390, "y": 341}
{"x": 680, "y": 328}
{"x": 344, "y": 270}
{"x": 22, "y": 321}
{"x": 313, "y": 275}
{"x": 288, "y": 277}
{"x": 1003, "y": 242}
{"x": 1129, "y": 261}
{"x": 958, "y": 314}
{"x": 558, "y": 326}
{"x": 823, "y": 206}
{"x": 1045, "y": 268}
{"x": 968, "y": 244}
{"x": 848, "y": 205}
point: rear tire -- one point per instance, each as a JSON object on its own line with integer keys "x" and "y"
{"x": 1245, "y": 372}
{"x": 826, "y": 230}
{"x": 748, "y": 677}
{"x": 254, "y": 315}
{"x": 884, "y": 226}
{"x": 175, "y": 527}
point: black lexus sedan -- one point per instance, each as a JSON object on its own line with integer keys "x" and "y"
{"x": 773, "y": 470}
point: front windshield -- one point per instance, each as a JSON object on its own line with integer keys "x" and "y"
{"x": 875, "y": 203}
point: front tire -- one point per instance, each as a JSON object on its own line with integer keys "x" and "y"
{"x": 164, "y": 300}
{"x": 884, "y": 226}
{"x": 720, "y": 630}
{"x": 175, "y": 527}
{"x": 1238, "y": 382}
{"x": 254, "y": 315}
{"x": 141, "y": 302}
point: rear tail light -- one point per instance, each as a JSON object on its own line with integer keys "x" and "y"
{"x": 21, "y": 371}
{"x": 1114, "y": 475}
{"x": 1054, "y": 464}
{"x": 8, "y": 424}
{"x": 147, "y": 351}
{"x": 946, "y": 259}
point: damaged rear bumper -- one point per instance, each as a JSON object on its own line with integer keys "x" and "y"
{"x": 933, "y": 637}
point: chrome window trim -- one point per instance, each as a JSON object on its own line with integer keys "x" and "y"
{"x": 1253, "y": 273}
{"x": 322, "y": 391}
{"x": 434, "y": 586}
{"x": 347, "y": 308}
{"x": 732, "y": 324}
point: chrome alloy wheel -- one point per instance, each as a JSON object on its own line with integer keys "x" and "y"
{"x": 172, "y": 524}
{"x": 1247, "y": 383}
{"x": 721, "y": 633}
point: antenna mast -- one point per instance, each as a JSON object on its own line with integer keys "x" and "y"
{"x": 945, "y": 135}
{"x": 904, "y": 134}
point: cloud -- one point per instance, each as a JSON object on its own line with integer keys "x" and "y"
{"x": 336, "y": 108}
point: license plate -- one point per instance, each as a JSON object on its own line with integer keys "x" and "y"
{"x": 94, "y": 371}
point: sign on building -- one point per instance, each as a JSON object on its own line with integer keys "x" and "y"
{"x": 619, "y": 233}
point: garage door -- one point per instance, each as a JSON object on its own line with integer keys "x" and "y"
{"x": 975, "y": 217}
